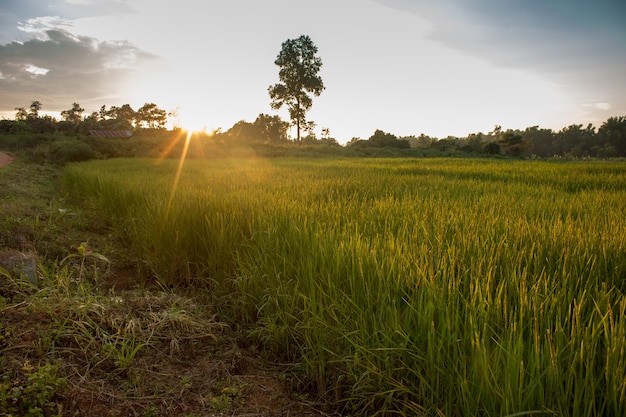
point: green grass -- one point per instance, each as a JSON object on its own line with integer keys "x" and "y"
{"x": 401, "y": 286}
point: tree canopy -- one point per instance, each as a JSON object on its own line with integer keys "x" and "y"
{"x": 299, "y": 68}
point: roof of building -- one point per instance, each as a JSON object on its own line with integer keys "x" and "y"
{"x": 111, "y": 133}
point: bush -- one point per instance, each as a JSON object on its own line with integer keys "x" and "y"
{"x": 64, "y": 151}
{"x": 16, "y": 142}
{"x": 31, "y": 392}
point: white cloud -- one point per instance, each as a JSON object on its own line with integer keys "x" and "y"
{"x": 39, "y": 26}
{"x": 35, "y": 70}
{"x": 598, "y": 105}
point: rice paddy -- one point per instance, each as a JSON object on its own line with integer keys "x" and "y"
{"x": 450, "y": 287}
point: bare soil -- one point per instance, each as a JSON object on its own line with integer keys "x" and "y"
{"x": 5, "y": 159}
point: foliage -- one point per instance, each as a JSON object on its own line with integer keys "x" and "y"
{"x": 73, "y": 115}
{"x": 382, "y": 139}
{"x": 64, "y": 151}
{"x": 613, "y": 134}
{"x": 151, "y": 117}
{"x": 226, "y": 395}
{"x": 30, "y": 393}
{"x": 299, "y": 68}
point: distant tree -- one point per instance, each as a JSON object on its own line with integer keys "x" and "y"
{"x": 575, "y": 141}
{"x": 35, "y": 107}
{"x": 123, "y": 117}
{"x": 382, "y": 139}
{"x": 329, "y": 141}
{"x": 422, "y": 141}
{"x": 491, "y": 148}
{"x": 102, "y": 114}
{"x": 473, "y": 143}
{"x": 355, "y": 141}
{"x": 541, "y": 141}
{"x": 21, "y": 114}
{"x": 73, "y": 115}
{"x": 613, "y": 135}
{"x": 150, "y": 116}
{"x": 299, "y": 68}
{"x": 512, "y": 142}
{"x": 450, "y": 143}
{"x": 271, "y": 129}
{"x": 243, "y": 132}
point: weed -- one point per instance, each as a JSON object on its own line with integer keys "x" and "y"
{"x": 123, "y": 350}
{"x": 228, "y": 394}
{"x": 31, "y": 392}
{"x": 150, "y": 411}
{"x": 84, "y": 255}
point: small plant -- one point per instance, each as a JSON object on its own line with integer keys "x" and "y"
{"x": 124, "y": 350}
{"x": 84, "y": 255}
{"x": 30, "y": 394}
{"x": 150, "y": 411}
{"x": 229, "y": 395}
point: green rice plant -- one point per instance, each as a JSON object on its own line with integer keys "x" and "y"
{"x": 401, "y": 286}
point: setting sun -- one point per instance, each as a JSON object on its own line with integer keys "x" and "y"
{"x": 189, "y": 120}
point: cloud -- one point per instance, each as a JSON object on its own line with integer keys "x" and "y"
{"x": 65, "y": 68}
{"x": 573, "y": 42}
{"x": 39, "y": 26}
{"x": 577, "y": 46}
{"x": 18, "y": 19}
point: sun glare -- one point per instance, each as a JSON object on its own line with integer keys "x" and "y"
{"x": 192, "y": 122}
{"x": 179, "y": 170}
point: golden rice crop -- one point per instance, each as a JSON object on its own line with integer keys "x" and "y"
{"x": 407, "y": 286}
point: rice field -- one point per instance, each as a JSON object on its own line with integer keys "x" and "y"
{"x": 448, "y": 287}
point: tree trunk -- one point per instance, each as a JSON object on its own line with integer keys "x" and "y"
{"x": 298, "y": 121}
{"x": 298, "y": 130}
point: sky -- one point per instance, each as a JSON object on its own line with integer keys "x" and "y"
{"x": 407, "y": 67}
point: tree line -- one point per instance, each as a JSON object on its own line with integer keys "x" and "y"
{"x": 148, "y": 116}
{"x": 607, "y": 141}
{"x": 265, "y": 129}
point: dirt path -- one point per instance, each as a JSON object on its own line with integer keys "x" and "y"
{"x": 5, "y": 159}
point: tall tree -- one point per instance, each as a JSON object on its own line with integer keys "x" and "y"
{"x": 299, "y": 68}
{"x": 35, "y": 106}
{"x": 151, "y": 116}
{"x": 73, "y": 115}
{"x": 123, "y": 116}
